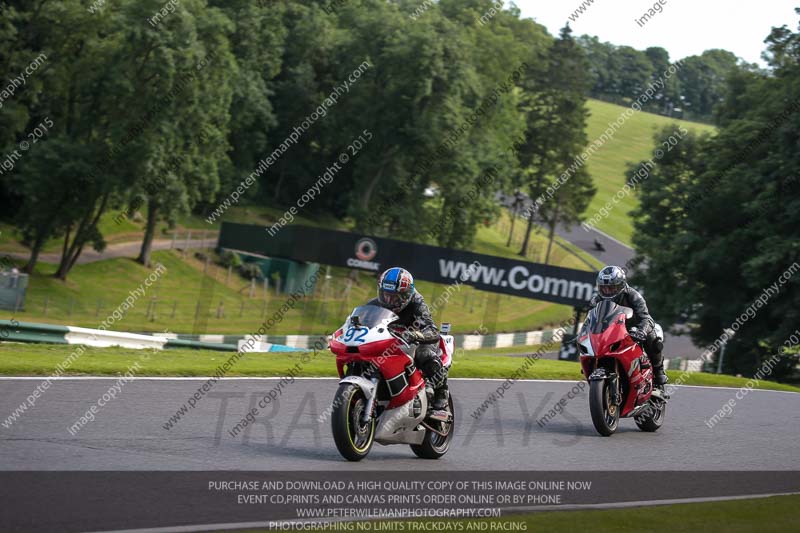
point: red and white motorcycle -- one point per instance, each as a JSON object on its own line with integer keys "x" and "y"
{"x": 382, "y": 396}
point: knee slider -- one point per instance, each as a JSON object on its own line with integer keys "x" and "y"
{"x": 658, "y": 346}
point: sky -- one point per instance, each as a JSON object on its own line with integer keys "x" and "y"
{"x": 683, "y": 27}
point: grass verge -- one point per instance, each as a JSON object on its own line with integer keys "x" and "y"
{"x": 18, "y": 359}
{"x": 761, "y": 515}
{"x": 756, "y": 515}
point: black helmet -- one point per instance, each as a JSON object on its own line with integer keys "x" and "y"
{"x": 611, "y": 281}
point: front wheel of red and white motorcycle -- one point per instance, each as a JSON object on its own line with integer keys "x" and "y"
{"x": 353, "y": 436}
{"x": 605, "y": 414}
{"x": 438, "y": 436}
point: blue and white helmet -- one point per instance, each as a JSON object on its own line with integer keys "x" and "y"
{"x": 395, "y": 289}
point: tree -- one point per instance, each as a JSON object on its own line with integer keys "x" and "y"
{"x": 556, "y": 136}
{"x": 52, "y": 186}
{"x": 703, "y": 80}
{"x": 718, "y": 224}
{"x": 603, "y": 67}
{"x": 667, "y": 96}
{"x": 182, "y": 73}
{"x": 18, "y": 49}
{"x": 68, "y": 108}
{"x": 125, "y": 98}
{"x": 635, "y": 71}
{"x": 257, "y": 43}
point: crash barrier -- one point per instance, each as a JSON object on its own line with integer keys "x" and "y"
{"x": 305, "y": 342}
{"x": 466, "y": 342}
{"x": 11, "y": 330}
{"x": 14, "y": 331}
{"x": 685, "y": 365}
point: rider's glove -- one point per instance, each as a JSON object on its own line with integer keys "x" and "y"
{"x": 413, "y": 336}
{"x": 637, "y": 335}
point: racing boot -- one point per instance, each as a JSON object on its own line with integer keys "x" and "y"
{"x": 659, "y": 376}
{"x": 441, "y": 395}
{"x": 440, "y": 405}
{"x": 436, "y": 376}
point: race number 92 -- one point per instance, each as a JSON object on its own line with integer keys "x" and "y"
{"x": 355, "y": 334}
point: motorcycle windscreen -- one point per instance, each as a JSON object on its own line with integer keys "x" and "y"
{"x": 371, "y": 316}
{"x": 602, "y": 316}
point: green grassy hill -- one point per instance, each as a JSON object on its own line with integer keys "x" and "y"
{"x": 632, "y": 143}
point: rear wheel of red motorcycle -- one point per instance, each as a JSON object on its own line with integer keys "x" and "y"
{"x": 652, "y": 418}
{"x": 353, "y": 438}
{"x": 605, "y": 415}
{"x": 435, "y": 445}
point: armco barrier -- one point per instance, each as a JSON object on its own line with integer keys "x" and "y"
{"x": 304, "y": 342}
{"x": 31, "y": 332}
{"x": 103, "y": 339}
{"x": 13, "y": 331}
{"x": 53, "y": 334}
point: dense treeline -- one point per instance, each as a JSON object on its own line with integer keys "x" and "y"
{"x": 719, "y": 221}
{"x": 620, "y": 73}
{"x": 172, "y": 107}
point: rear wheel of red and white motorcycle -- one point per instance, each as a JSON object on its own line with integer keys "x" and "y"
{"x": 652, "y": 418}
{"x": 605, "y": 415}
{"x": 436, "y": 443}
{"x": 352, "y": 436}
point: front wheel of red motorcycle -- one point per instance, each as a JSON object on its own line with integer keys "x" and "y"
{"x": 605, "y": 415}
{"x": 437, "y": 437}
{"x": 352, "y": 436}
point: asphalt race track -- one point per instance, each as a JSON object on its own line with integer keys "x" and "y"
{"x": 125, "y": 471}
{"x": 762, "y": 433}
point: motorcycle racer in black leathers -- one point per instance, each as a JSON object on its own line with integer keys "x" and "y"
{"x": 396, "y": 292}
{"x": 612, "y": 284}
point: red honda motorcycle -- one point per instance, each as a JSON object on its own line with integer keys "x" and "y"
{"x": 382, "y": 396}
{"x": 619, "y": 372}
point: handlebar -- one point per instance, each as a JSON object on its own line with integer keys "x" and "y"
{"x": 396, "y": 335}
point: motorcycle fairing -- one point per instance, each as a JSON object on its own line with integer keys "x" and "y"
{"x": 604, "y": 335}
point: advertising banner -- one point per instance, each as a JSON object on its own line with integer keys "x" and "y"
{"x": 430, "y": 263}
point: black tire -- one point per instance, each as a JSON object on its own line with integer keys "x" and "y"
{"x": 652, "y": 418}
{"x": 434, "y": 445}
{"x": 353, "y": 439}
{"x": 605, "y": 417}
